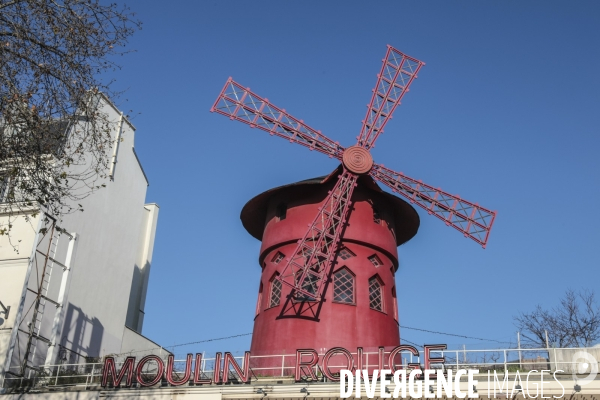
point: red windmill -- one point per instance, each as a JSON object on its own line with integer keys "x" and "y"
{"x": 308, "y": 268}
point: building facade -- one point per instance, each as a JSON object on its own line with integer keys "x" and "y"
{"x": 73, "y": 289}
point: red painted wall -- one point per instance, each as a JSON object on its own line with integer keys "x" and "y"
{"x": 292, "y": 325}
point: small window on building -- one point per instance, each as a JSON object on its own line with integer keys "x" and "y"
{"x": 275, "y": 292}
{"x": 278, "y": 257}
{"x": 345, "y": 253}
{"x": 376, "y": 216}
{"x": 376, "y": 261}
{"x": 306, "y": 251}
{"x": 259, "y": 300}
{"x": 281, "y": 212}
{"x": 309, "y": 285}
{"x": 343, "y": 286}
{"x": 375, "y": 294}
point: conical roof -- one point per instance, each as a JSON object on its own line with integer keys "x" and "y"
{"x": 406, "y": 219}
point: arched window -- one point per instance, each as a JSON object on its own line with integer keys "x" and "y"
{"x": 375, "y": 294}
{"x": 309, "y": 285}
{"x": 343, "y": 286}
{"x": 275, "y": 295}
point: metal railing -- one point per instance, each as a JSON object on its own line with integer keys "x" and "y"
{"x": 279, "y": 366}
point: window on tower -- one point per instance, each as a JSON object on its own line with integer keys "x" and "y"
{"x": 391, "y": 228}
{"x": 275, "y": 297}
{"x": 376, "y": 261}
{"x": 281, "y": 212}
{"x": 376, "y": 216}
{"x": 306, "y": 251}
{"x": 345, "y": 253}
{"x": 343, "y": 286}
{"x": 375, "y": 294}
{"x": 309, "y": 285}
{"x": 278, "y": 257}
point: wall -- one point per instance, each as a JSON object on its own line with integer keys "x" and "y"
{"x": 137, "y": 345}
{"x": 321, "y": 325}
{"x": 14, "y": 266}
{"x": 94, "y": 274}
{"x": 141, "y": 272}
{"x": 569, "y": 360}
{"x": 107, "y": 250}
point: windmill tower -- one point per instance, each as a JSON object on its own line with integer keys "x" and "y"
{"x": 328, "y": 253}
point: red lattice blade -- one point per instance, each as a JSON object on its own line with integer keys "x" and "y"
{"x": 397, "y": 73}
{"x": 307, "y": 270}
{"x": 473, "y": 221}
{"x": 241, "y": 104}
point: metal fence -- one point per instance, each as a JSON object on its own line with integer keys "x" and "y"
{"x": 282, "y": 366}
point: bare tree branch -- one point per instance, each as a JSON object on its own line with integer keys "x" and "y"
{"x": 54, "y": 141}
{"x": 10, "y": 3}
{"x": 574, "y": 323}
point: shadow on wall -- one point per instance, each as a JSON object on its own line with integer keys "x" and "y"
{"x": 303, "y": 308}
{"x": 139, "y": 283}
{"x": 81, "y": 338}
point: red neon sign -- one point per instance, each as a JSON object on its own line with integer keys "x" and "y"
{"x": 305, "y": 366}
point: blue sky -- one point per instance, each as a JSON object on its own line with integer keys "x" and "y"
{"x": 505, "y": 113}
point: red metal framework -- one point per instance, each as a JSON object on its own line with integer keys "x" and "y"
{"x": 306, "y": 271}
{"x": 241, "y": 104}
{"x": 472, "y": 220}
{"x": 397, "y": 73}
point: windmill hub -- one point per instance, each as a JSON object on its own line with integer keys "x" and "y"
{"x": 357, "y": 159}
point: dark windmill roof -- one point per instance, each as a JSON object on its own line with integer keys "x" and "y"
{"x": 406, "y": 219}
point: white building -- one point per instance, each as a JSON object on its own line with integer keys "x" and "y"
{"x": 76, "y": 288}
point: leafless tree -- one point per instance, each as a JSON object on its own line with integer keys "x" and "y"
{"x": 574, "y": 322}
{"x": 54, "y": 142}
